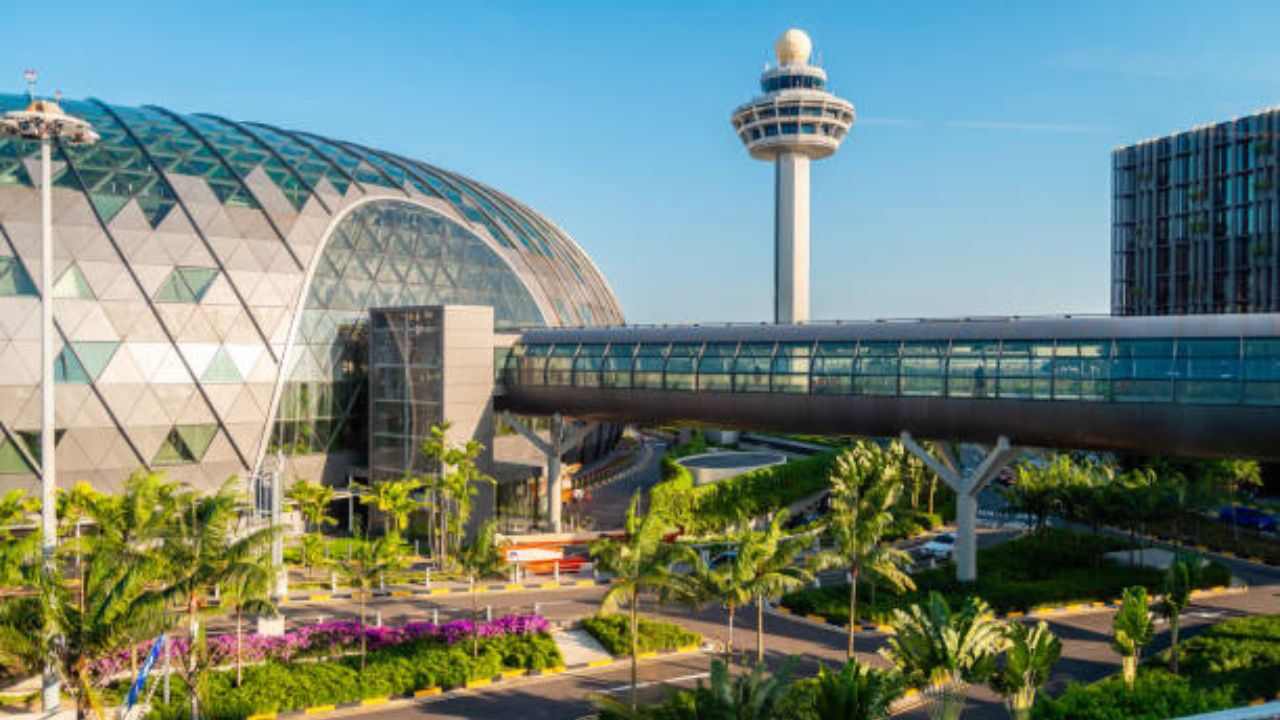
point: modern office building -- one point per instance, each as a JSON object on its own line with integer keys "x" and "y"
{"x": 213, "y": 287}
{"x": 796, "y": 120}
{"x": 1194, "y": 221}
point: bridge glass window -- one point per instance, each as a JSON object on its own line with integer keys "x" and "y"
{"x": 533, "y": 365}
{"x": 922, "y": 368}
{"x": 876, "y": 369}
{"x": 791, "y": 368}
{"x": 715, "y": 368}
{"x": 1026, "y": 370}
{"x": 587, "y": 366}
{"x": 650, "y": 359}
{"x": 833, "y": 369}
{"x": 751, "y": 367}
{"x": 1262, "y": 372}
{"x": 1208, "y": 371}
{"x": 1142, "y": 371}
{"x": 681, "y": 362}
{"x": 971, "y": 369}
{"x": 1081, "y": 370}
{"x": 560, "y": 364}
{"x": 616, "y": 365}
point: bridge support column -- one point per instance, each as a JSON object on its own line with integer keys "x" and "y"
{"x": 562, "y": 438}
{"x": 967, "y": 487}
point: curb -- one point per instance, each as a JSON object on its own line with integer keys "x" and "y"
{"x": 497, "y": 681}
{"x": 1040, "y": 611}
{"x": 540, "y": 586}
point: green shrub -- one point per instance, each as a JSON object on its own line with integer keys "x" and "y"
{"x": 1056, "y": 568}
{"x": 614, "y": 633}
{"x": 1156, "y": 695}
{"x": 398, "y": 670}
{"x": 1243, "y": 653}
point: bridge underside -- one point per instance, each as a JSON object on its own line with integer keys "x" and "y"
{"x": 1204, "y": 431}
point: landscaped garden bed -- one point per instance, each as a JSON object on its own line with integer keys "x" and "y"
{"x": 1230, "y": 664}
{"x": 1053, "y": 568}
{"x": 614, "y": 633}
{"x": 320, "y": 664}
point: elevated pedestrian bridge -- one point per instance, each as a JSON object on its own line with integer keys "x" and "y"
{"x": 1197, "y": 386}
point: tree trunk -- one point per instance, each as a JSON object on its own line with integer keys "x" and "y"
{"x": 1174, "y": 622}
{"x": 728, "y": 648}
{"x": 759, "y": 629}
{"x": 239, "y": 674}
{"x": 193, "y": 627}
{"x": 362, "y": 633}
{"x": 933, "y": 485}
{"x": 635, "y": 650}
{"x": 1129, "y": 669}
{"x": 853, "y": 605}
{"x": 475, "y": 619}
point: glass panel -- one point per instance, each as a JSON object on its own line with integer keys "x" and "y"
{"x": 833, "y": 368}
{"x": 1143, "y": 370}
{"x": 971, "y": 370}
{"x": 791, "y": 368}
{"x": 715, "y": 368}
{"x": 14, "y": 279}
{"x": 1082, "y": 370}
{"x": 560, "y": 364}
{"x": 680, "y": 367}
{"x": 73, "y": 285}
{"x": 922, "y": 368}
{"x": 649, "y": 362}
{"x": 617, "y": 366}
{"x": 876, "y": 369}
{"x": 1026, "y": 370}
{"x": 222, "y": 369}
{"x": 587, "y": 366}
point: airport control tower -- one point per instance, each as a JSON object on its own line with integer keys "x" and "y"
{"x": 796, "y": 120}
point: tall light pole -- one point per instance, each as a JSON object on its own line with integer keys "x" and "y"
{"x": 44, "y": 121}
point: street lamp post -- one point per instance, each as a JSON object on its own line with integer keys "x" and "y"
{"x": 44, "y": 121}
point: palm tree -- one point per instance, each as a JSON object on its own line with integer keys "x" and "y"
{"x": 480, "y": 558}
{"x": 394, "y": 498}
{"x": 1131, "y": 629}
{"x": 247, "y": 592}
{"x": 864, "y": 490}
{"x": 202, "y": 550}
{"x": 70, "y": 629}
{"x": 639, "y": 561}
{"x": 1030, "y": 654}
{"x": 16, "y": 552}
{"x": 943, "y": 650}
{"x": 856, "y": 692}
{"x": 770, "y": 568}
{"x": 1180, "y": 579}
{"x": 726, "y": 583}
{"x": 368, "y": 562}
{"x": 313, "y": 500}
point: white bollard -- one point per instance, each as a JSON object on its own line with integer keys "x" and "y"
{"x": 333, "y": 581}
{"x": 428, "y": 578}
{"x": 488, "y": 613}
{"x": 435, "y": 616}
{"x": 377, "y": 618}
{"x": 557, "y": 566}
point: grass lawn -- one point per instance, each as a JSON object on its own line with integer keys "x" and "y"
{"x": 1055, "y": 568}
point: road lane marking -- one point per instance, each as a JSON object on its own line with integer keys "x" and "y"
{"x": 651, "y": 683}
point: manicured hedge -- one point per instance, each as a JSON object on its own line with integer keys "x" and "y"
{"x": 1156, "y": 695}
{"x": 710, "y": 508}
{"x": 398, "y": 670}
{"x": 1243, "y": 653}
{"x": 614, "y": 633}
{"x": 1056, "y": 568}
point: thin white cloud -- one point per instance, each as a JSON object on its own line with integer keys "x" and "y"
{"x": 1024, "y": 126}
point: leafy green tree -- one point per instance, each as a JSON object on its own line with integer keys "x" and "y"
{"x": 247, "y": 592}
{"x": 856, "y": 692}
{"x": 1131, "y": 629}
{"x": 1038, "y": 490}
{"x": 1182, "y": 576}
{"x": 394, "y": 498}
{"x": 370, "y": 560}
{"x": 479, "y": 559}
{"x": 771, "y": 568}
{"x": 202, "y": 549}
{"x": 726, "y": 583}
{"x": 1231, "y": 475}
{"x": 640, "y": 561}
{"x": 1030, "y": 654}
{"x": 944, "y": 650}
{"x": 864, "y": 490}
{"x": 313, "y": 500}
{"x": 311, "y": 552}
{"x": 455, "y": 484}
{"x": 15, "y": 552}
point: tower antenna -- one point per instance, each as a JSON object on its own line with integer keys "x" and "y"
{"x": 30, "y": 76}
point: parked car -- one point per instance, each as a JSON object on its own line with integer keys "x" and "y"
{"x": 940, "y": 547}
{"x": 1247, "y": 517}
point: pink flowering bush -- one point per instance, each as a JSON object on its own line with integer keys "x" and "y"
{"x": 327, "y": 639}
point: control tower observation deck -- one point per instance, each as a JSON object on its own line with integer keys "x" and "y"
{"x": 796, "y": 120}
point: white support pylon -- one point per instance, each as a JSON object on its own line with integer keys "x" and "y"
{"x": 967, "y": 487}
{"x": 562, "y": 439}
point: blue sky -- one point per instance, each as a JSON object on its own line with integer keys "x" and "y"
{"x": 976, "y": 180}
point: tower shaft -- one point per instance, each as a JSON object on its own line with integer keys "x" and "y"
{"x": 791, "y": 238}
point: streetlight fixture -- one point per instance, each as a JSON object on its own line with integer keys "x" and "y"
{"x": 44, "y": 121}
